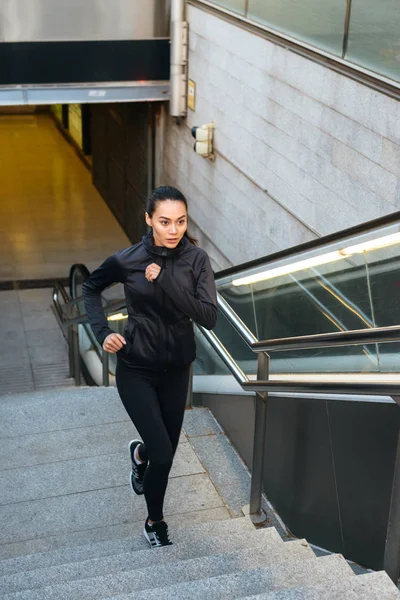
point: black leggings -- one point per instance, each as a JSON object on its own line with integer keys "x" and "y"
{"x": 155, "y": 402}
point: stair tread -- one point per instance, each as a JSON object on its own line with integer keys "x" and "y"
{"x": 192, "y": 532}
{"x": 369, "y": 586}
{"x": 129, "y": 561}
{"x": 250, "y": 582}
{"x": 190, "y": 570}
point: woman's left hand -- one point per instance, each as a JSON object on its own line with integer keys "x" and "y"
{"x": 152, "y": 272}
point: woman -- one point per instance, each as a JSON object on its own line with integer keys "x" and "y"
{"x": 168, "y": 283}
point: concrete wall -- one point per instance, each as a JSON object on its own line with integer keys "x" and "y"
{"x": 301, "y": 150}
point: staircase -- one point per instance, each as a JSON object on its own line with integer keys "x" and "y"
{"x": 70, "y": 528}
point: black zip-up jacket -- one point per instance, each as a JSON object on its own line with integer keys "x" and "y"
{"x": 159, "y": 332}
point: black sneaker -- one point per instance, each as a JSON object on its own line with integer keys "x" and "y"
{"x": 138, "y": 471}
{"x": 156, "y": 534}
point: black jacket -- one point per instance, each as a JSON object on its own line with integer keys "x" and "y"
{"x": 159, "y": 332}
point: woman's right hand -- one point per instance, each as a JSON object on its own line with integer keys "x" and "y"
{"x": 113, "y": 342}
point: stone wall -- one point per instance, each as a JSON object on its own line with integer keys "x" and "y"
{"x": 301, "y": 151}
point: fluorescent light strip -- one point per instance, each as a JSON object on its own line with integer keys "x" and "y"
{"x": 322, "y": 259}
{"x": 383, "y": 242}
{"x": 316, "y": 261}
{"x": 117, "y": 317}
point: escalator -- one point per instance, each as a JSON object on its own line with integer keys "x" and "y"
{"x": 329, "y": 457}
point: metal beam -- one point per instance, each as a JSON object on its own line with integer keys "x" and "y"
{"x": 146, "y": 91}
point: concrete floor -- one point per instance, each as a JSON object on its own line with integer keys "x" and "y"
{"x": 51, "y": 215}
{"x": 34, "y": 355}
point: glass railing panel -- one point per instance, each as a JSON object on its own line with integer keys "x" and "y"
{"x": 339, "y": 287}
{"x": 374, "y": 40}
{"x": 209, "y": 363}
{"x": 237, "y": 6}
{"x": 207, "y": 360}
{"x": 320, "y": 24}
{"x": 383, "y": 270}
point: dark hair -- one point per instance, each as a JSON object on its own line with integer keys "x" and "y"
{"x": 166, "y": 192}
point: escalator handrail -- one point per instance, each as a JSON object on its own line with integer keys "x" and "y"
{"x": 76, "y": 267}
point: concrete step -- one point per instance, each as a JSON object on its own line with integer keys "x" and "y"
{"x": 372, "y": 586}
{"x": 287, "y": 555}
{"x": 54, "y": 410}
{"x": 179, "y": 534}
{"x": 96, "y": 567}
{"x": 244, "y": 583}
{"x": 106, "y": 533}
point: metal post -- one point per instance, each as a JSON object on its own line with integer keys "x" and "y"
{"x": 189, "y": 398}
{"x": 391, "y": 560}
{"x": 106, "y": 370}
{"x": 75, "y": 354}
{"x": 71, "y": 351}
{"x": 346, "y": 29}
{"x": 260, "y": 427}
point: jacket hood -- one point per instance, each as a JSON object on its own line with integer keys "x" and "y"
{"x": 148, "y": 242}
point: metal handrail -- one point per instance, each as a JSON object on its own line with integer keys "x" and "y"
{"x": 340, "y": 386}
{"x": 69, "y": 320}
{"x": 57, "y": 290}
{"x": 225, "y": 356}
{"x": 236, "y": 321}
{"x": 109, "y": 307}
{"x": 355, "y": 337}
{"x": 263, "y": 385}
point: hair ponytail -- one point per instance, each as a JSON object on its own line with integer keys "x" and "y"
{"x": 163, "y": 193}
{"x": 191, "y": 239}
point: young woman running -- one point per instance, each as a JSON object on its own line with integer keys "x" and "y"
{"x": 168, "y": 283}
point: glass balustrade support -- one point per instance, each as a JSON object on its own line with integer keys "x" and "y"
{"x": 75, "y": 354}
{"x": 346, "y": 29}
{"x": 391, "y": 559}
{"x": 189, "y": 397}
{"x": 70, "y": 337}
{"x": 236, "y": 321}
{"x": 105, "y": 359}
{"x": 325, "y": 340}
{"x": 260, "y": 427}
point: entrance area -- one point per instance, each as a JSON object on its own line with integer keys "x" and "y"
{"x": 51, "y": 214}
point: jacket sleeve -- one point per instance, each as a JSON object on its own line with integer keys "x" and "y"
{"x": 202, "y": 306}
{"x": 108, "y": 273}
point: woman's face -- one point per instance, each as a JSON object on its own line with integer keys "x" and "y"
{"x": 169, "y": 223}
